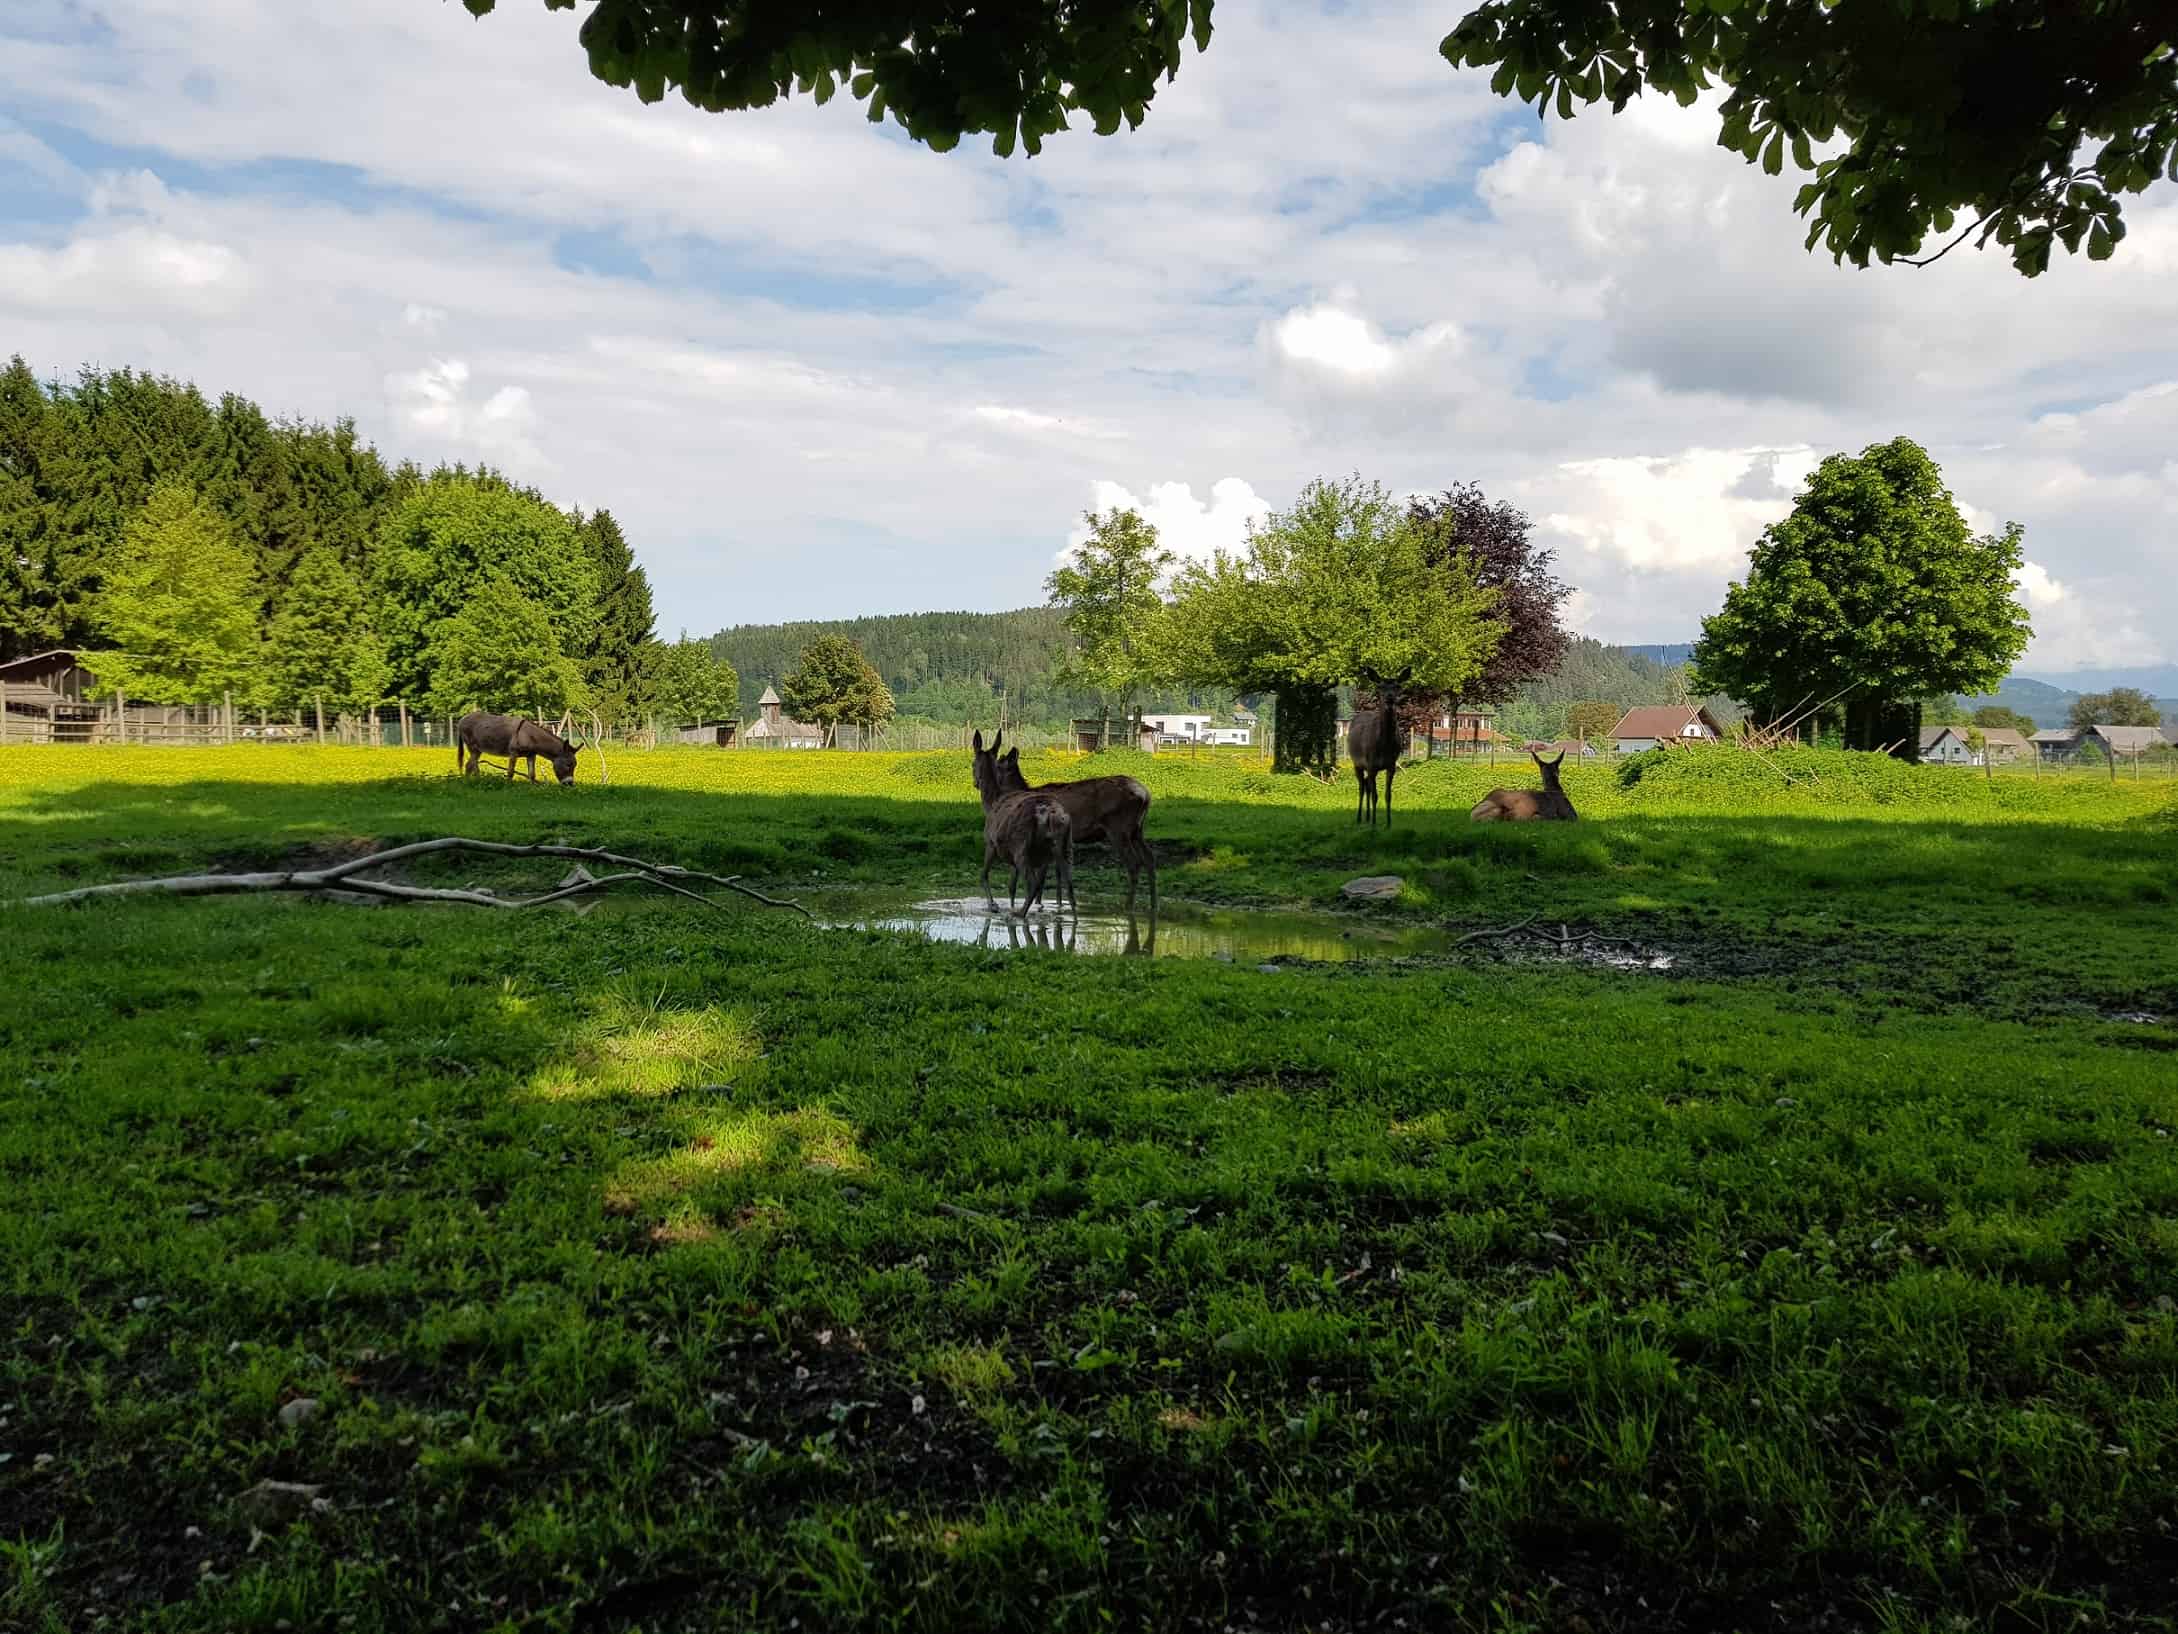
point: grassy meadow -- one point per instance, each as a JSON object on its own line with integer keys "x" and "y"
{"x": 666, "y": 1269}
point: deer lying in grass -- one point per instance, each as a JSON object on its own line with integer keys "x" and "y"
{"x": 1373, "y": 742}
{"x": 1030, "y": 830}
{"x": 1111, "y": 809}
{"x": 1548, "y": 805}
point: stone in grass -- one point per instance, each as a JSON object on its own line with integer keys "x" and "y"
{"x": 270, "y": 1505}
{"x": 300, "y": 1411}
{"x": 1373, "y": 887}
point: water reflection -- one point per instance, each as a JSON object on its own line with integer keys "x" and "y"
{"x": 1174, "y": 931}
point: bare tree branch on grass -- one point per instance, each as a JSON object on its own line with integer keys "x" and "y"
{"x": 346, "y": 879}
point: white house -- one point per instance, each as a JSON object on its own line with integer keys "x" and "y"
{"x": 1947, "y": 746}
{"x": 1231, "y": 737}
{"x": 1178, "y": 726}
{"x": 1655, "y": 725}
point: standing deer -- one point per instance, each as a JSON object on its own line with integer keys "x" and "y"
{"x": 1030, "y": 830}
{"x": 1373, "y": 744}
{"x": 515, "y": 736}
{"x": 1111, "y": 809}
{"x": 1528, "y": 805}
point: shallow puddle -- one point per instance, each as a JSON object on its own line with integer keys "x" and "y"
{"x": 1186, "y": 931}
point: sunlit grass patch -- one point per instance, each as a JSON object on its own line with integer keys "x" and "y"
{"x": 635, "y": 1045}
{"x": 969, "y": 1370}
{"x": 724, "y": 1145}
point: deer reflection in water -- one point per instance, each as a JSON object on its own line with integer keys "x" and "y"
{"x": 1063, "y": 935}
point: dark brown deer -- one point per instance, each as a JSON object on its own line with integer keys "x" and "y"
{"x": 515, "y": 736}
{"x": 1030, "y": 830}
{"x": 1547, "y": 805}
{"x": 1111, "y": 809}
{"x": 1373, "y": 743}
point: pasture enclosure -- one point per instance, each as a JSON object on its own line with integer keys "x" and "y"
{"x": 667, "y": 1271}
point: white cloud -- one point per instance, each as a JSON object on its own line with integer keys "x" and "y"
{"x": 1191, "y": 528}
{"x": 434, "y": 405}
{"x": 1699, "y": 509}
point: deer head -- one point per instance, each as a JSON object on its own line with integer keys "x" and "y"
{"x": 984, "y": 765}
{"x": 1549, "y": 769}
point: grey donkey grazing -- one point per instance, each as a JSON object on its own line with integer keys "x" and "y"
{"x": 515, "y": 736}
{"x": 1030, "y": 830}
{"x": 1111, "y": 809}
{"x": 1550, "y": 805}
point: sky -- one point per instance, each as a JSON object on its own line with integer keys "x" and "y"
{"x": 817, "y": 370}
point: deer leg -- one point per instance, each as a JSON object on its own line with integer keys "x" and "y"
{"x": 1390, "y": 772}
{"x": 990, "y": 855}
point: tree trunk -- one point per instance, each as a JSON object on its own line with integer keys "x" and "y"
{"x": 1308, "y": 720}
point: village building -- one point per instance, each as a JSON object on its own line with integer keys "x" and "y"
{"x": 774, "y": 730}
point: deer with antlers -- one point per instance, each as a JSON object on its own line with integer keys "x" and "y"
{"x": 1111, "y": 809}
{"x": 515, "y": 736}
{"x": 1547, "y": 805}
{"x": 1373, "y": 744}
{"x": 1030, "y": 829}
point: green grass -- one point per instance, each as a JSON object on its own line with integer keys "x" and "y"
{"x": 668, "y": 1270}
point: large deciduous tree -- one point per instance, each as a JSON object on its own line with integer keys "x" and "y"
{"x": 498, "y": 654}
{"x": 1345, "y": 586}
{"x": 2120, "y": 706}
{"x": 832, "y": 684}
{"x": 1497, "y": 542}
{"x": 1107, "y": 589}
{"x": 1592, "y": 719}
{"x": 320, "y": 646}
{"x": 456, "y": 533}
{"x": 690, "y": 686}
{"x": 179, "y": 605}
{"x": 1872, "y": 593}
{"x": 941, "y": 69}
{"x": 1942, "y": 111}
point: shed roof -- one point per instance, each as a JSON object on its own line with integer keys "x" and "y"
{"x": 2055, "y": 734}
{"x": 38, "y": 663}
{"x": 2002, "y": 737}
{"x": 2130, "y": 740}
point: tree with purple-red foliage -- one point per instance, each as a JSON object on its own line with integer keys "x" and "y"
{"x": 1498, "y": 538}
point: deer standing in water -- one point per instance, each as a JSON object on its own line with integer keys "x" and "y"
{"x": 1549, "y": 805}
{"x": 1373, "y": 744}
{"x": 1030, "y": 830}
{"x": 1111, "y": 809}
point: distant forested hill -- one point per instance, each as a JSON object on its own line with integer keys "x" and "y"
{"x": 943, "y": 666}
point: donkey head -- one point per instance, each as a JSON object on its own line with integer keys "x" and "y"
{"x": 563, "y": 761}
{"x": 1009, "y": 771}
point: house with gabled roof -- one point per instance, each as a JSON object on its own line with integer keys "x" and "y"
{"x": 1652, "y": 726}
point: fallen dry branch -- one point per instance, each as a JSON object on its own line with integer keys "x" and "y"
{"x": 1564, "y": 936}
{"x": 346, "y": 879}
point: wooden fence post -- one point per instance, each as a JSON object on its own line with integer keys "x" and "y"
{"x": 404, "y": 723}
{"x": 228, "y": 711}
{"x": 121, "y": 714}
{"x": 317, "y": 702}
